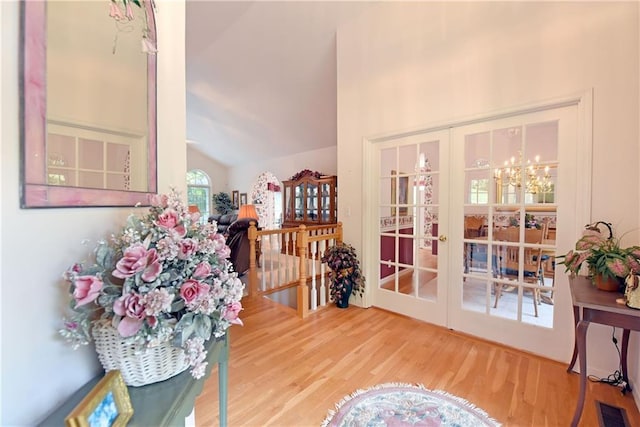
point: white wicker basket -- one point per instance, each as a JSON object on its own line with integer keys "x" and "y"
{"x": 138, "y": 367}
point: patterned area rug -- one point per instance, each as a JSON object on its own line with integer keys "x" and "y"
{"x": 400, "y": 405}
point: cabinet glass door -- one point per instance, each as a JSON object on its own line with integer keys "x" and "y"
{"x": 312, "y": 202}
{"x": 288, "y": 213}
{"x": 325, "y": 202}
{"x": 299, "y": 202}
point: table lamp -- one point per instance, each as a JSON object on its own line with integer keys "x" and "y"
{"x": 248, "y": 211}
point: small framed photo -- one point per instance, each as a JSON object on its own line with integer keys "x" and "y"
{"x": 235, "y": 199}
{"x": 243, "y": 199}
{"x": 107, "y": 404}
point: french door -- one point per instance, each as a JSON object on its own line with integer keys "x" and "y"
{"x": 413, "y": 209}
{"x": 470, "y": 219}
{"x": 517, "y": 175}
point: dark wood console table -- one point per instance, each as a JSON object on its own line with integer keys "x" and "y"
{"x": 166, "y": 403}
{"x": 593, "y": 305}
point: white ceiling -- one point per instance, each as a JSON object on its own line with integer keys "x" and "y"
{"x": 261, "y": 76}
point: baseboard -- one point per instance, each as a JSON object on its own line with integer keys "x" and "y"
{"x": 635, "y": 393}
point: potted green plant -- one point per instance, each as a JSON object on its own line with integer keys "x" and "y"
{"x": 223, "y": 203}
{"x": 607, "y": 262}
{"x": 345, "y": 275}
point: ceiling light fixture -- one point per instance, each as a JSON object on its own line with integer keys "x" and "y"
{"x": 513, "y": 173}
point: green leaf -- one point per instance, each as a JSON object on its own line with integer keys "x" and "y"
{"x": 177, "y": 305}
{"x": 186, "y": 320}
{"x": 104, "y": 256}
{"x": 92, "y": 271}
{"x": 185, "y": 327}
{"x": 202, "y": 326}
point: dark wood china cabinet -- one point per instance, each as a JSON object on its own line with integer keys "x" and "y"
{"x": 310, "y": 198}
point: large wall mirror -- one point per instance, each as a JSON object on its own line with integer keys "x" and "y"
{"x": 88, "y": 105}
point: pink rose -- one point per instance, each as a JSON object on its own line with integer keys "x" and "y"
{"x": 152, "y": 268}
{"x": 168, "y": 219}
{"x": 178, "y": 232}
{"x": 224, "y": 252}
{"x": 87, "y": 289}
{"x": 219, "y": 241}
{"x": 232, "y": 311}
{"x": 133, "y": 260}
{"x": 220, "y": 246}
{"x": 188, "y": 247}
{"x": 71, "y": 272}
{"x": 202, "y": 270}
{"x": 192, "y": 289}
{"x": 131, "y": 307}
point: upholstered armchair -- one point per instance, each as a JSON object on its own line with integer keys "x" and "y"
{"x": 223, "y": 221}
{"x": 238, "y": 242}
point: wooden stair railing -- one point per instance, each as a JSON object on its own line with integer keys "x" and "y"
{"x": 310, "y": 243}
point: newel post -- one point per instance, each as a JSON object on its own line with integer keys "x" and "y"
{"x": 339, "y": 233}
{"x": 253, "y": 271}
{"x": 302, "y": 242}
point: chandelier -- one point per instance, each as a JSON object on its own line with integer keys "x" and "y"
{"x": 535, "y": 181}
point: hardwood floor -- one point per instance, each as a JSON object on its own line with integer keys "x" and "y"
{"x": 285, "y": 371}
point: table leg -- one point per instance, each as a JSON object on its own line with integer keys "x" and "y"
{"x": 223, "y": 376}
{"x": 581, "y": 338}
{"x": 576, "y": 318}
{"x": 623, "y": 356}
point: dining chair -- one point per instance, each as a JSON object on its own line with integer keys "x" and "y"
{"x": 510, "y": 265}
{"x": 473, "y": 225}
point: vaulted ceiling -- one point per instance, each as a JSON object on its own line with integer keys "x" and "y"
{"x": 261, "y": 76}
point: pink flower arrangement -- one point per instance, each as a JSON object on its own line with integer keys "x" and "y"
{"x": 163, "y": 277}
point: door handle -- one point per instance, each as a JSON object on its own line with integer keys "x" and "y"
{"x": 442, "y": 238}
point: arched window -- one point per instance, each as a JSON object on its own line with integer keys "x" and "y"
{"x": 199, "y": 192}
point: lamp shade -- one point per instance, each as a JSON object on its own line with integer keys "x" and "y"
{"x": 193, "y": 209}
{"x": 248, "y": 211}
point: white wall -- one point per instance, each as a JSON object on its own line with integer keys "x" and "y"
{"x": 218, "y": 173}
{"x": 38, "y": 370}
{"x": 406, "y": 66}
{"x": 324, "y": 160}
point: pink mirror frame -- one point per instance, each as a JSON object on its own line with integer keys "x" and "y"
{"x": 34, "y": 191}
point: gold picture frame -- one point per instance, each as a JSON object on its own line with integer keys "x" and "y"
{"x": 107, "y": 403}
{"x": 243, "y": 199}
{"x": 403, "y": 194}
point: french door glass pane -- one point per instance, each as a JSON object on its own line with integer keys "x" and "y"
{"x": 509, "y": 192}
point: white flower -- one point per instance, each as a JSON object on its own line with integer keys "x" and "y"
{"x": 157, "y": 301}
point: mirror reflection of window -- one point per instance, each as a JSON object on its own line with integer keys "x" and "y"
{"x": 96, "y": 96}
{"x": 199, "y": 192}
